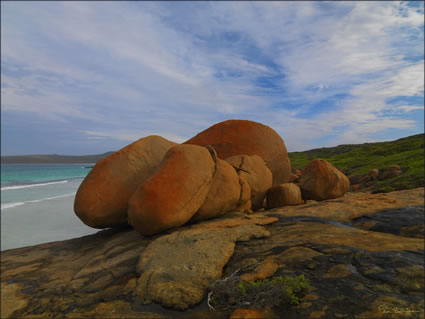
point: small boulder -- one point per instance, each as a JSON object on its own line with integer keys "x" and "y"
{"x": 255, "y": 172}
{"x": 390, "y": 172}
{"x": 228, "y": 192}
{"x": 287, "y": 194}
{"x": 102, "y": 198}
{"x": 321, "y": 180}
{"x": 373, "y": 173}
{"x": 355, "y": 187}
{"x": 359, "y": 179}
{"x": 171, "y": 196}
{"x": 239, "y": 137}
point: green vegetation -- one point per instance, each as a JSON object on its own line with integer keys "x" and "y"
{"x": 355, "y": 159}
{"x": 292, "y": 288}
{"x": 275, "y": 292}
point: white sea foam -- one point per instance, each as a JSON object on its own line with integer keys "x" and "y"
{"x": 10, "y": 205}
{"x": 32, "y": 185}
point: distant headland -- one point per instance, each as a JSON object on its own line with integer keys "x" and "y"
{"x": 53, "y": 159}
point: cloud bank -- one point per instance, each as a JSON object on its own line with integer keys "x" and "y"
{"x": 88, "y": 77}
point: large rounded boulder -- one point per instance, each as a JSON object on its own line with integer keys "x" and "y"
{"x": 239, "y": 137}
{"x": 175, "y": 192}
{"x": 321, "y": 180}
{"x": 228, "y": 192}
{"x": 254, "y": 170}
{"x": 102, "y": 198}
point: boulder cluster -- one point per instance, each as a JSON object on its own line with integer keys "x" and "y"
{"x": 361, "y": 181}
{"x": 154, "y": 184}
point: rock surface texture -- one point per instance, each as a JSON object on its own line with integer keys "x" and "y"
{"x": 102, "y": 198}
{"x": 241, "y": 137}
{"x": 176, "y": 270}
{"x": 321, "y": 180}
{"x": 228, "y": 192}
{"x": 255, "y": 172}
{"x": 247, "y": 314}
{"x": 407, "y": 222}
{"x": 171, "y": 196}
{"x": 354, "y": 272}
{"x": 287, "y": 194}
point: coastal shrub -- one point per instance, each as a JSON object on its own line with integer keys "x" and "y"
{"x": 383, "y": 189}
{"x": 360, "y": 158}
{"x": 291, "y": 287}
{"x": 232, "y": 292}
{"x": 404, "y": 181}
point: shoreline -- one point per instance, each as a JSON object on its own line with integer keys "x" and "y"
{"x": 290, "y": 211}
{"x": 41, "y": 221}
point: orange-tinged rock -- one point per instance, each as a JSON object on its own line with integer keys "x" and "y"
{"x": 171, "y": 196}
{"x": 247, "y": 314}
{"x": 321, "y": 180}
{"x": 390, "y": 173}
{"x": 293, "y": 178}
{"x": 287, "y": 194}
{"x": 262, "y": 271}
{"x": 355, "y": 205}
{"x": 227, "y": 193}
{"x": 176, "y": 269}
{"x": 245, "y": 196}
{"x": 12, "y": 299}
{"x": 373, "y": 173}
{"x": 238, "y": 137}
{"x": 102, "y": 198}
{"x": 355, "y": 187}
{"x": 255, "y": 172}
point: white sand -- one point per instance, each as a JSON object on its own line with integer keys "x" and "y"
{"x": 41, "y": 222}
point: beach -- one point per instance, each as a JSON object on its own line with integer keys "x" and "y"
{"x": 37, "y": 204}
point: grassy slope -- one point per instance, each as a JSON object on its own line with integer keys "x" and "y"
{"x": 355, "y": 159}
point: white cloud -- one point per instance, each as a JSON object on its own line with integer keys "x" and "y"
{"x": 129, "y": 137}
{"x": 409, "y": 108}
{"x": 135, "y": 69}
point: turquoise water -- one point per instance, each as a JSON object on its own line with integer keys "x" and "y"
{"x": 23, "y": 183}
{"x": 37, "y": 203}
{"x": 24, "y": 174}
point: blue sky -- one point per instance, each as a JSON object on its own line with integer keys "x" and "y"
{"x": 90, "y": 77}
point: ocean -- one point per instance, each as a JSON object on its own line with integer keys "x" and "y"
{"x": 37, "y": 203}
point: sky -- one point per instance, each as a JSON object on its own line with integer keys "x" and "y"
{"x": 90, "y": 77}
